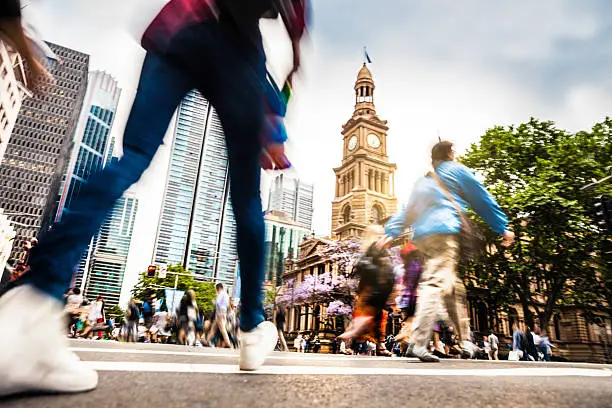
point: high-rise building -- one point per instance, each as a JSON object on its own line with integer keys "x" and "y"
{"x": 93, "y": 148}
{"x": 197, "y": 227}
{"x": 292, "y": 197}
{"x": 38, "y": 151}
{"x": 106, "y": 266}
{"x": 283, "y": 239}
{"x": 12, "y": 92}
{"x": 92, "y": 136}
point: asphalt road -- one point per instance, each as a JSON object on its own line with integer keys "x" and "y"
{"x": 150, "y": 375}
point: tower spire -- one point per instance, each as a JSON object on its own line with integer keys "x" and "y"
{"x": 364, "y": 93}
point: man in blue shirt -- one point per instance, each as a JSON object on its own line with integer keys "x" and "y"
{"x": 436, "y": 225}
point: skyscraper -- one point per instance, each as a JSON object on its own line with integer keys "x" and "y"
{"x": 283, "y": 239}
{"x": 197, "y": 227}
{"x": 110, "y": 251}
{"x": 92, "y": 136}
{"x": 12, "y": 92}
{"x": 93, "y": 148}
{"x": 292, "y": 197}
{"x": 39, "y": 148}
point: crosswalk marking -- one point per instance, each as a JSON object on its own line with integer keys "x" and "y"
{"x": 279, "y": 356}
{"x": 327, "y": 370}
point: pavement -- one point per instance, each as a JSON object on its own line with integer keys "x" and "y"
{"x": 154, "y": 375}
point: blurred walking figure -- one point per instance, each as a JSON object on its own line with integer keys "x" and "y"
{"x": 435, "y": 211}
{"x": 160, "y": 331}
{"x": 214, "y": 46}
{"x": 96, "y": 316}
{"x": 297, "y": 343}
{"x": 187, "y": 315}
{"x": 376, "y": 282}
{"x": 220, "y": 321}
{"x": 133, "y": 316}
{"x": 545, "y": 345}
{"x": 494, "y": 342}
{"x": 408, "y": 281}
{"x": 279, "y": 319}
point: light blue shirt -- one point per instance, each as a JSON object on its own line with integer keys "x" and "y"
{"x": 430, "y": 212}
{"x": 222, "y": 302}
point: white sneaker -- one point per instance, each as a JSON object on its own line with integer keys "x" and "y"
{"x": 34, "y": 355}
{"x": 256, "y": 345}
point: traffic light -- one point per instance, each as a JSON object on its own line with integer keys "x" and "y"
{"x": 151, "y": 271}
{"x": 603, "y": 214}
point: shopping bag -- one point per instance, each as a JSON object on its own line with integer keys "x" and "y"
{"x": 514, "y": 356}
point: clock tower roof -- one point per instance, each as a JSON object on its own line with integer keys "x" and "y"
{"x": 364, "y": 75}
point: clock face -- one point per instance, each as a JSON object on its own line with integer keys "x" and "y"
{"x": 373, "y": 141}
{"x": 352, "y": 143}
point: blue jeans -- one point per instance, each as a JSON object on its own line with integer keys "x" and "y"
{"x": 230, "y": 73}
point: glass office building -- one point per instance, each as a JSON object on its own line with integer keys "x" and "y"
{"x": 294, "y": 198}
{"x": 106, "y": 267}
{"x": 196, "y": 227}
{"x": 92, "y": 137}
{"x": 283, "y": 238}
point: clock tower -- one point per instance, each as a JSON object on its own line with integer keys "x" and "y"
{"x": 365, "y": 180}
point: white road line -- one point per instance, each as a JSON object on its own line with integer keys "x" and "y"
{"x": 288, "y": 356}
{"x": 313, "y": 370}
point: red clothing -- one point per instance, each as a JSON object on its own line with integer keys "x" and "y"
{"x": 178, "y": 15}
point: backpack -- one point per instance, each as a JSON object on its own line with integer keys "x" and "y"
{"x": 374, "y": 270}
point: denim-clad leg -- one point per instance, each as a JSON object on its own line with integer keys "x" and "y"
{"x": 160, "y": 90}
{"x": 231, "y": 73}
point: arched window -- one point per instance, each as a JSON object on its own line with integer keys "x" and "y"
{"x": 377, "y": 214}
{"x": 346, "y": 214}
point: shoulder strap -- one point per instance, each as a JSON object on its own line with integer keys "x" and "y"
{"x": 435, "y": 176}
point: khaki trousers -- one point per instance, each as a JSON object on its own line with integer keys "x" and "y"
{"x": 439, "y": 285}
{"x": 221, "y": 324}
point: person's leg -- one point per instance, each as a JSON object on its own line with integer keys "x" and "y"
{"x": 213, "y": 330}
{"x": 283, "y": 342}
{"x": 430, "y": 290}
{"x": 160, "y": 90}
{"x": 222, "y": 324}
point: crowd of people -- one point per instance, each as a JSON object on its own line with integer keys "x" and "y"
{"x": 150, "y": 322}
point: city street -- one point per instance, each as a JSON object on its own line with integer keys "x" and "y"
{"x": 151, "y": 375}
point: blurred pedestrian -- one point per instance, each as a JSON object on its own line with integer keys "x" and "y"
{"x": 376, "y": 283}
{"x": 96, "y": 316}
{"x": 436, "y": 213}
{"x": 408, "y": 281}
{"x": 187, "y": 314}
{"x": 74, "y": 301}
{"x": 494, "y": 342}
{"x": 214, "y": 46}
{"x": 220, "y": 321}
{"x": 279, "y": 319}
{"x": 297, "y": 343}
{"x": 133, "y": 317}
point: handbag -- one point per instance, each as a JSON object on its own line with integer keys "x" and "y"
{"x": 471, "y": 240}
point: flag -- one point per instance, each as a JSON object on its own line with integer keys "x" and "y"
{"x": 366, "y": 57}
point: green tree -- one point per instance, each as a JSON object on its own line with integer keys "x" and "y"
{"x": 536, "y": 172}
{"x": 147, "y": 288}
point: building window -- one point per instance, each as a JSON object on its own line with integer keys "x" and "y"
{"x": 346, "y": 214}
{"x": 377, "y": 214}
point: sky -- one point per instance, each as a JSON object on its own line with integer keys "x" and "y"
{"x": 441, "y": 67}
